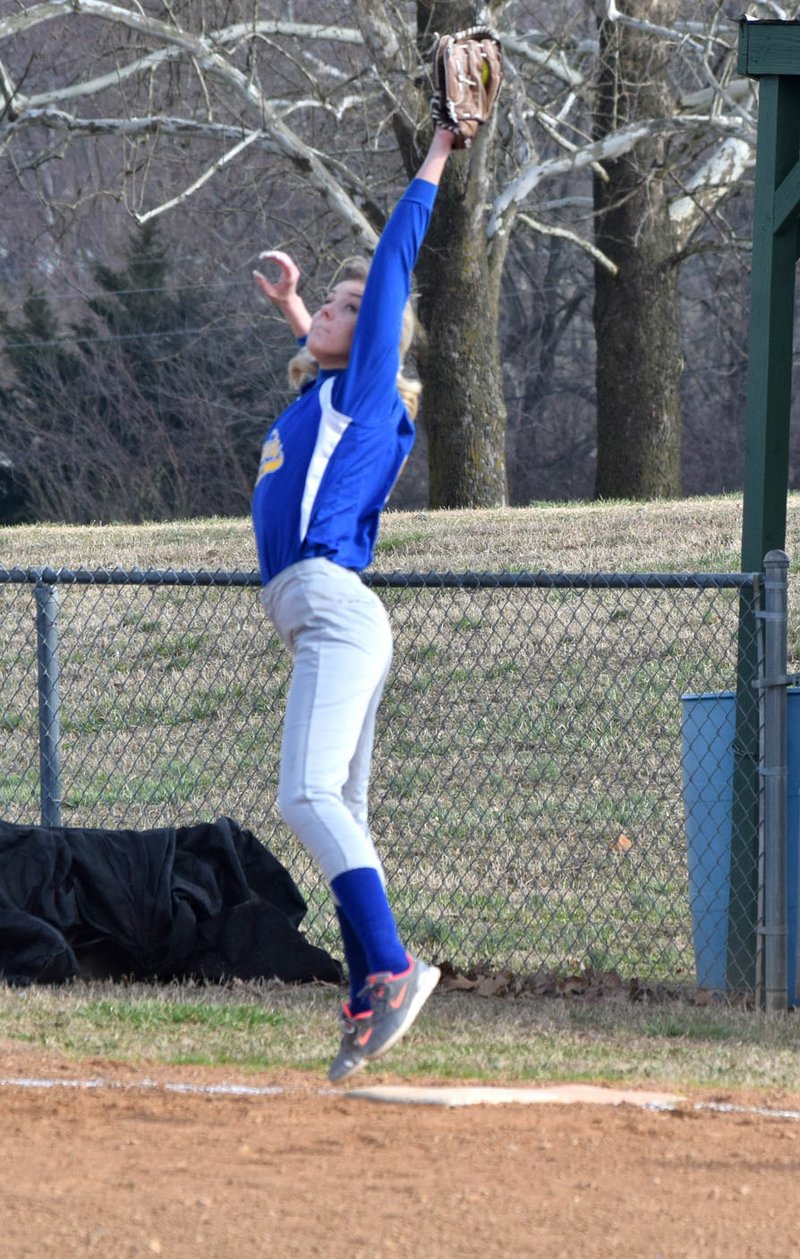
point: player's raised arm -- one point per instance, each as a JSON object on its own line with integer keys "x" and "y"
{"x": 441, "y": 147}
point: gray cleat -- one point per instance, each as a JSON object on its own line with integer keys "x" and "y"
{"x": 396, "y": 1001}
{"x": 356, "y": 1034}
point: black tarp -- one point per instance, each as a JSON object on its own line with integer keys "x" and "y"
{"x": 193, "y": 902}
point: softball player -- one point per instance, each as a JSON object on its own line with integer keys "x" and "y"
{"x": 327, "y": 467}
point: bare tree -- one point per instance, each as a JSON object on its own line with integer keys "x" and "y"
{"x": 306, "y": 122}
{"x": 145, "y": 410}
{"x": 638, "y": 358}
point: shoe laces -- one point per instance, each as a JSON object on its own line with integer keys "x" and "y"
{"x": 380, "y": 990}
{"x": 379, "y": 994}
{"x": 379, "y": 986}
{"x": 350, "y": 1022}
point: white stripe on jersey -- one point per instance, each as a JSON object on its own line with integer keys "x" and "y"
{"x": 332, "y": 427}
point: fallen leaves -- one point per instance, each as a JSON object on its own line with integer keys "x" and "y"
{"x": 583, "y": 983}
{"x": 623, "y": 843}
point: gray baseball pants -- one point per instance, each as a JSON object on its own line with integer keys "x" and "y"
{"x": 339, "y": 636}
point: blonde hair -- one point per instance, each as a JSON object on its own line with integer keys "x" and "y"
{"x": 303, "y": 367}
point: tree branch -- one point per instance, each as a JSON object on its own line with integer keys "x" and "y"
{"x": 204, "y": 50}
{"x": 550, "y": 59}
{"x": 610, "y": 148}
{"x": 709, "y": 185}
{"x": 547, "y": 229}
{"x": 198, "y": 183}
{"x": 59, "y": 120}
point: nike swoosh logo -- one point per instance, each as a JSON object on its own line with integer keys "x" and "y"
{"x": 400, "y": 998}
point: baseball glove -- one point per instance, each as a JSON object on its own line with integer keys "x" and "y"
{"x": 467, "y": 73}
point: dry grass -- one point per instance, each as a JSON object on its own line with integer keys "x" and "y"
{"x": 702, "y": 534}
{"x": 264, "y": 1027}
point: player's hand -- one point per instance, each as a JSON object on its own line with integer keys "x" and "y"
{"x": 283, "y": 288}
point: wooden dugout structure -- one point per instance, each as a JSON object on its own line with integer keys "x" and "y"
{"x": 769, "y": 51}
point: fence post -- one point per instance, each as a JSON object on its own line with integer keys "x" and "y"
{"x": 774, "y": 783}
{"x": 49, "y": 703}
{"x": 744, "y": 960}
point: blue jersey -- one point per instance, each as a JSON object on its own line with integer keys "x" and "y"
{"x": 330, "y": 460}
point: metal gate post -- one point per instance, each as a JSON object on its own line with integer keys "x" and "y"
{"x": 774, "y": 773}
{"x": 49, "y": 703}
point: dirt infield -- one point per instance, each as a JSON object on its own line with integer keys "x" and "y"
{"x": 126, "y": 1164}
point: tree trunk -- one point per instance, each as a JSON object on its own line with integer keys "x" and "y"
{"x": 636, "y": 313}
{"x": 463, "y": 408}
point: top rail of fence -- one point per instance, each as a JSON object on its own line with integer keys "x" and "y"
{"x": 463, "y": 580}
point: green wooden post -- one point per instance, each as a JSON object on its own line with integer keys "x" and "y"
{"x": 770, "y": 52}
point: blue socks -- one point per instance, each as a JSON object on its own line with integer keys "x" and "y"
{"x": 357, "y": 968}
{"x": 369, "y": 932}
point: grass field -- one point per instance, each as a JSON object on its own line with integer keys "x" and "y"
{"x": 256, "y": 1028}
{"x": 527, "y": 735}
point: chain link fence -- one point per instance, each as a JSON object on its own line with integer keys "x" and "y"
{"x": 527, "y": 788}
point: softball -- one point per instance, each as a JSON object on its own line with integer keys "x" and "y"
{"x": 485, "y": 73}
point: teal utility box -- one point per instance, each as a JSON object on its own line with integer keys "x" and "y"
{"x": 708, "y": 728}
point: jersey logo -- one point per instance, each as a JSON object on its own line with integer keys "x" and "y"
{"x": 271, "y": 456}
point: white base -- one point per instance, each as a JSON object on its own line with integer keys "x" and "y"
{"x": 476, "y": 1095}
